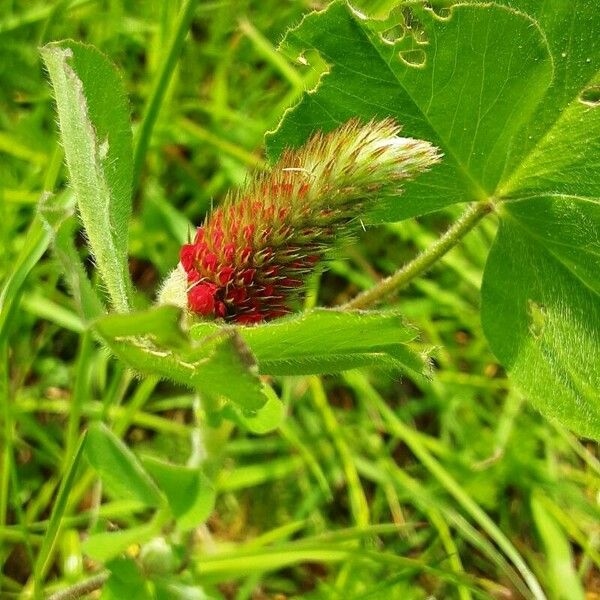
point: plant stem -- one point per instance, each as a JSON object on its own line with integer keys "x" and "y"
{"x": 79, "y": 590}
{"x": 160, "y": 86}
{"x": 425, "y": 260}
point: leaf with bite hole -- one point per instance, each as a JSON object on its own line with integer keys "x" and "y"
{"x": 510, "y": 92}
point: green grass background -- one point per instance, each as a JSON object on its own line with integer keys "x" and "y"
{"x": 475, "y": 481}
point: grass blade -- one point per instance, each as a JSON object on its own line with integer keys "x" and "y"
{"x": 45, "y": 553}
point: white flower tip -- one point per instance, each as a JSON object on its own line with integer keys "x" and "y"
{"x": 174, "y": 289}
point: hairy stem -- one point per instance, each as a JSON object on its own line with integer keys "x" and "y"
{"x": 423, "y": 261}
{"x": 79, "y": 590}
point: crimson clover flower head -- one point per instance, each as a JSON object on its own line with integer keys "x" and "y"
{"x": 250, "y": 258}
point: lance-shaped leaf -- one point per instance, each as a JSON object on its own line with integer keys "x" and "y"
{"x": 96, "y": 135}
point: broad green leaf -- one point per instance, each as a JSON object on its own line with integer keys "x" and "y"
{"x": 191, "y": 496}
{"x": 471, "y": 95}
{"x": 163, "y": 322}
{"x": 510, "y": 94}
{"x": 152, "y": 342}
{"x": 94, "y": 123}
{"x": 328, "y": 341}
{"x": 121, "y": 472}
{"x": 543, "y": 324}
{"x": 541, "y": 288}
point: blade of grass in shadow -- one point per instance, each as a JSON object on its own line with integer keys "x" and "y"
{"x": 235, "y": 565}
{"x": 35, "y": 15}
{"x": 288, "y": 432}
{"x": 80, "y": 394}
{"x": 36, "y": 243}
{"x": 160, "y": 85}
{"x": 265, "y": 50}
{"x": 358, "y": 501}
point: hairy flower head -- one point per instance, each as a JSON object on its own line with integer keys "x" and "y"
{"x": 251, "y": 256}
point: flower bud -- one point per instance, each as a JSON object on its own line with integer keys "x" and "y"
{"x": 250, "y": 258}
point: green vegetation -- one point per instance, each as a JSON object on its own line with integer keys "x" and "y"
{"x": 394, "y": 451}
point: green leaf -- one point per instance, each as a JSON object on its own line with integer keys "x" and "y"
{"x": 328, "y": 341}
{"x": 58, "y": 510}
{"x": 162, "y": 323}
{"x": 173, "y": 589}
{"x": 561, "y": 572}
{"x": 125, "y": 581}
{"x": 36, "y": 243}
{"x": 152, "y": 342}
{"x": 509, "y": 92}
{"x": 119, "y": 469}
{"x": 543, "y": 324}
{"x": 266, "y": 419}
{"x": 106, "y": 545}
{"x": 190, "y": 494}
{"x": 541, "y": 288}
{"x": 96, "y": 135}
{"x": 474, "y": 91}
{"x": 60, "y": 223}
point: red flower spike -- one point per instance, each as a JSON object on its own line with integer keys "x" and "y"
{"x": 217, "y": 238}
{"x": 225, "y": 275}
{"x": 209, "y": 261}
{"x": 193, "y": 276}
{"x": 246, "y": 253}
{"x": 249, "y": 260}
{"x": 228, "y": 252}
{"x": 248, "y": 276}
{"x": 201, "y": 298}
{"x": 187, "y": 256}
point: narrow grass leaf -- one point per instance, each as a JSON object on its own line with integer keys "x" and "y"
{"x": 36, "y": 243}
{"x": 60, "y": 504}
{"x": 560, "y": 569}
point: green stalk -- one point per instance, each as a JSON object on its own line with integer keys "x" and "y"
{"x": 160, "y": 86}
{"x": 358, "y": 501}
{"x": 423, "y": 261}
